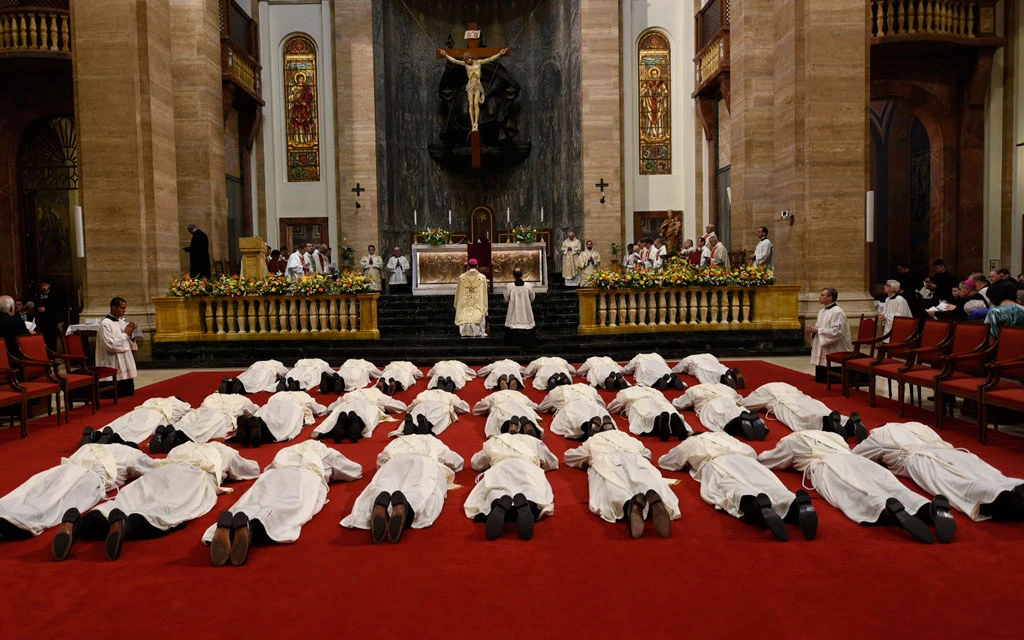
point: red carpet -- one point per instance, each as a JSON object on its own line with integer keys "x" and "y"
{"x": 579, "y": 576}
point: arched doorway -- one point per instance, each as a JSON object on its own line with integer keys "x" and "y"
{"x": 48, "y": 193}
{"x": 901, "y": 177}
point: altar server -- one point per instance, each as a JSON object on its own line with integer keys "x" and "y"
{"x": 289, "y": 492}
{"x": 650, "y": 413}
{"x": 801, "y": 412}
{"x": 830, "y": 333}
{"x": 604, "y": 373}
{"x": 449, "y": 375}
{"x": 720, "y": 408}
{"x": 503, "y": 374}
{"x": 651, "y": 370}
{"x": 414, "y": 473}
{"x": 864, "y": 491}
{"x": 512, "y": 487}
{"x": 623, "y": 482}
{"x": 509, "y": 412}
{"x": 731, "y": 479}
{"x": 706, "y": 368}
{"x": 549, "y": 372}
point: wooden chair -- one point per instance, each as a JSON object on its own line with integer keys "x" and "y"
{"x": 30, "y": 390}
{"x": 902, "y": 337}
{"x": 935, "y": 339}
{"x": 967, "y": 353}
{"x": 867, "y": 328}
{"x": 1003, "y": 374}
{"x": 40, "y": 362}
{"x": 74, "y": 350}
{"x": 10, "y": 396}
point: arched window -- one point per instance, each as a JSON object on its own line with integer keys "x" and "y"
{"x": 654, "y": 85}
{"x": 302, "y": 130}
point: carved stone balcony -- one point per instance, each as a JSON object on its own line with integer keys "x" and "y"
{"x": 959, "y": 22}
{"x": 712, "y": 59}
{"x": 35, "y": 28}
{"x": 239, "y": 47}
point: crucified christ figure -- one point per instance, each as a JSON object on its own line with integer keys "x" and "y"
{"x": 474, "y": 88}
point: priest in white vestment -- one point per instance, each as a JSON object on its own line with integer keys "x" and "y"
{"x": 287, "y": 412}
{"x": 80, "y": 482}
{"x": 650, "y": 413}
{"x": 449, "y": 375}
{"x": 262, "y": 376}
{"x": 140, "y": 423}
{"x": 588, "y": 262}
{"x": 604, "y": 373}
{"x": 579, "y": 418}
{"x": 550, "y": 371}
{"x": 569, "y": 249}
{"x": 298, "y": 263}
{"x": 503, "y": 374}
{"x": 214, "y": 419}
{"x": 830, "y": 333}
{"x": 865, "y": 492}
{"x": 289, "y": 492}
{"x": 432, "y": 412}
{"x": 519, "y": 322}
{"x": 564, "y": 394}
{"x": 414, "y": 473}
{"x": 973, "y": 486}
{"x": 357, "y": 414}
{"x": 372, "y": 266}
{"x": 307, "y": 372}
{"x": 801, "y": 412}
{"x": 895, "y": 306}
{"x": 731, "y": 479}
{"x": 624, "y": 483}
{"x": 358, "y": 373}
{"x": 501, "y": 407}
{"x": 398, "y": 267}
{"x": 651, "y": 370}
{"x": 399, "y": 375}
{"x": 471, "y": 303}
{"x": 512, "y": 485}
{"x": 115, "y": 341}
{"x": 706, "y": 368}
{"x": 720, "y": 408}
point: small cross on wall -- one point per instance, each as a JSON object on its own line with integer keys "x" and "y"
{"x": 358, "y": 190}
{"x": 601, "y": 185}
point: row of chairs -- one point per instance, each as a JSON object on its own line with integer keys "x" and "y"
{"x": 37, "y": 374}
{"x": 950, "y": 359}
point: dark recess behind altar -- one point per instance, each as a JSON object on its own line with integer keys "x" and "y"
{"x": 545, "y": 62}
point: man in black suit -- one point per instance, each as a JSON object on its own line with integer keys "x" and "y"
{"x": 50, "y": 311}
{"x": 198, "y": 253}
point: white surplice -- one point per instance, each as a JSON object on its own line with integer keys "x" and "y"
{"x": 459, "y": 372}
{"x": 727, "y": 470}
{"x": 703, "y": 366}
{"x": 793, "y": 407}
{"x": 619, "y": 467}
{"x": 511, "y": 464}
{"x": 716, "y": 404}
{"x": 421, "y": 467}
{"x": 566, "y": 393}
{"x": 114, "y": 348}
{"x": 520, "y": 308}
{"x": 141, "y": 422}
{"x": 184, "y": 486}
{"x": 501, "y": 406}
{"x": 596, "y": 369}
{"x": 913, "y": 450}
{"x": 292, "y": 489}
{"x": 500, "y": 368}
{"x": 851, "y": 483}
{"x": 262, "y": 376}
{"x": 894, "y": 307}
{"x": 569, "y": 418}
{"x": 647, "y": 368}
{"x": 833, "y": 334}
{"x": 307, "y": 372}
{"x": 398, "y": 266}
{"x": 80, "y": 481}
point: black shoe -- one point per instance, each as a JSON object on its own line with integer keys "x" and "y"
{"x": 661, "y": 426}
{"x": 64, "y": 539}
{"x": 496, "y": 518}
{"x": 379, "y": 517}
{"x": 282, "y": 385}
{"x": 747, "y": 425}
{"x": 106, "y": 436}
{"x": 423, "y": 426}
{"x": 409, "y": 428}
{"x": 940, "y": 517}
{"x": 256, "y": 427}
{"x": 224, "y": 386}
{"x": 677, "y": 383}
{"x": 759, "y": 427}
{"x": 237, "y": 387}
{"x": 401, "y": 517}
{"x": 355, "y": 427}
{"x": 326, "y": 382}
{"x": 833, "y": 423}
{"x": 173, "y": 438}
{"x": 156, "y": 445}
{"x": 770, "y": 518}
{"x": 915, "y": 526}
{"x": 524, "y": 516}
{"x": 634, "y": 512}
{"x": 854, "y": 428}
{"x": 806, "y": 516}
{"x": 340, "y": 430}
{"x": 677, "y": 426}
{"x": 88, "y": 434}
{"x": 726, "y": 379}
{"x": 738, "y": 378}
{"x": 241, "y": 538}
{"x": 220, "y": 546}
{"x": 117, "y": 532}
{"x": 293, "y": 385}
{"x": 339, "y": 384}
{"x": 243, "y": 429}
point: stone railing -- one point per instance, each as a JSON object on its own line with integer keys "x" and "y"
{"x": 35, "y": 28}
{"x": 326, "y": 317}
{"x": 927, "y": 19}
{"x": 689, "y": 309}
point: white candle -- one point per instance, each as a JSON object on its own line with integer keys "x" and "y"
{"x": 414, "y": 217}
{"x": 508, "y": 215}
{"x": 449, "y": 217}
{"x": 869, "y": 222}
{"x": 542, "y": 214}
{"x": 79, "y": 233}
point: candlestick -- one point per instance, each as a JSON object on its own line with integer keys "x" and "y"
{"x": 542, "y": 214}
{"x": 414, "y": 217}
{"x": 449, "y": 217}
{"x": 508, "y": 216}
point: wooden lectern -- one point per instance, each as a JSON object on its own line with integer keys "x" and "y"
{"x": 481, "y": 252}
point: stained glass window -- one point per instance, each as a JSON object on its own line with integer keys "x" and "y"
{"x": 302, "y": 121}
{"x": 655, "y": 93}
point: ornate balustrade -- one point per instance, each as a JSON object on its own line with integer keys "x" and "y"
{"x": 240, "y": 68}
{"x": 327, "y": 317}
{"x": 689, "y": 309}
{"x": 239, "y": 49}
{"x": 35, "y": 28}
{"x": 932, "y": 19}
{"x": 712, "y": 59}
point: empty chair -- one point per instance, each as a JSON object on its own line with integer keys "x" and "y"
{"x": 966, "y": 357}
{"x": 865, "y": 337}
{"x": 39, "y": 362}
{"x": 30, "y": 390}
{"x": 902, "y": 338}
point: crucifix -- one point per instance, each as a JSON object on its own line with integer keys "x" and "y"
{"x": 601, "y": 185}
{"x": 473, "y": 58}
{"x": 358, "y": 191}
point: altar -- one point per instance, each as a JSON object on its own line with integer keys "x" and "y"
{"x": 436, "y": 269}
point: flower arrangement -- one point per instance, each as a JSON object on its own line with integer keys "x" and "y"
{"x": 680, "y": 273}
{"x": 435, "y": 236}
{"x": 235, "y": 286}
{"x": 523, "y": 233}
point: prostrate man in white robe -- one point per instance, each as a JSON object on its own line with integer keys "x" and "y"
{"x": 305, "y": 375}
{"x": 549, "y": 372}
{"x": 731, "y": 479}
{"x": 512, "y": 487}
{"x": 974, "y": 487}
{"x": 569, "y": 250}
{"x": 280, "y": 420}
{"x": 397, "y": 376}
{"x": 216, "y": 418}
{"x": 503, "y": 374}
{"x": 830, "y": 333}
{"x": 414, "y": 473}
{"x": 357, "y": 414}
{"x": 579, "y": 418}
{"x": 431, "y": 412}
{"x": 138, "y": 424}
{"x": 603, "y": 373}
{"x": 355, "y": 373}
{"x": 471, "y": 303}
{"x": 184, "y": 486}
{"x": 261, "y": 376}
{"x": 588, "y": 262}
{"x": 564, "y": 394}
{"x": 624, "y": 483}
{"x": 289, "y": 492}
{"x": 650, "y": 413}
{"x": 79, "y": 482}
{"x": 449, "y": 375}
{"x": 706, "y": 368}
{"x": 865, "y": 492}
{"x": 372, "y": 266}
{"x": 895, "y": 306}
{"x": 115, "y": 341}
{"x": 509, "y": 412}
{"x": 720, "y": 408}
{"x": 519, "y": 322}
{"x": 801, "y": 412}
{"x": 398, "y": 266}
{"x": 651, "y": 370}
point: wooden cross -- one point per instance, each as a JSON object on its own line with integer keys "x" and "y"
{"x": 473, "y": 48}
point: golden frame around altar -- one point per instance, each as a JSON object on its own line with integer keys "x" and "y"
{"x": 436, "y": 269}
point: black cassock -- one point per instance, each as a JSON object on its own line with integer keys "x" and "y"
{"x": 199, "y": 255}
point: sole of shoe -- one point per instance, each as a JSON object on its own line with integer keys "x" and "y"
{"x": 241, "y": 539}
{"x": 495, "y": 522}
{"x": 524, "y": 517}
{"x": 771, "y": 519}
{"x": 115, "y": 538}
{"x": 915, "y": 526}
{"x": 942, "y": 518}
{"x": 399, "y": 514}
{"x": 220, "y": 546}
